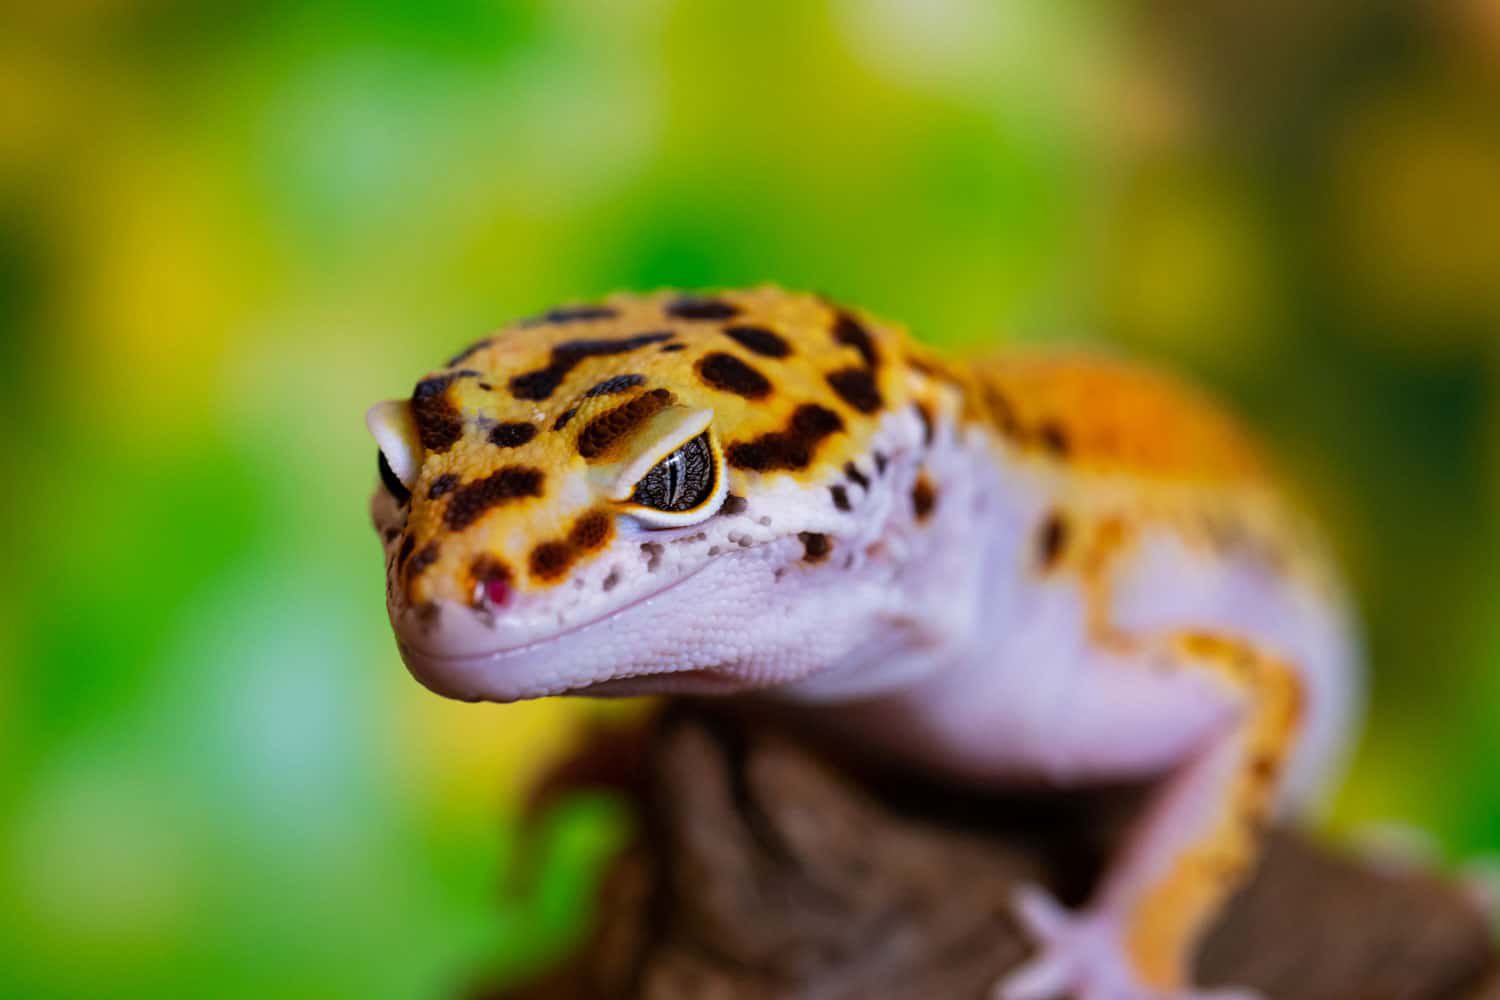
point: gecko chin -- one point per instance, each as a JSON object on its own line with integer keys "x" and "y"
{"x": 695, "y": 635}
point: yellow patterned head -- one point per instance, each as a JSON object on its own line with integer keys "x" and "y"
{"x": 575, "y": 464}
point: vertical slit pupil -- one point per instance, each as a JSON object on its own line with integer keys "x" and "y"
{"x": 681, "y": 481}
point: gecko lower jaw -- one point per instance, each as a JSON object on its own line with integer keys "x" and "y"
{"x": 583, "y": 658}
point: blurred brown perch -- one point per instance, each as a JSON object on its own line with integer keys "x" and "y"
{"x": 766, "y": 872}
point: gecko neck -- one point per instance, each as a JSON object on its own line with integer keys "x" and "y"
{"x": 944, "y": 578}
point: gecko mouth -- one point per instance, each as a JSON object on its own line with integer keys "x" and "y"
{"x": 457, "y": 661}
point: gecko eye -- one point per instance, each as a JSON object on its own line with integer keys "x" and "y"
{"x": 395, "y": 432}
{"x": 393, "y": 484}
{"x": 679, "y": 482}
{"x": 685, "y": 487}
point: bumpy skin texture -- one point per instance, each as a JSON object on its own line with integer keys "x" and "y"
{"x": 1034, "y": 568}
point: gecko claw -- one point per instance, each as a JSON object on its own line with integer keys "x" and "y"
{"x": 1081, "y": 955}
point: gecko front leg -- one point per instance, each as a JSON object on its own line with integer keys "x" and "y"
{"x": 1198, "y": 838}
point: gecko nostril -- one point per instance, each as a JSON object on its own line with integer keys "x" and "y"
{"x": 497, "y": 592}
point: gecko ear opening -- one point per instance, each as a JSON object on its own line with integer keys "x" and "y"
{"x": 673, "y": 474}
{"x": 395, "y": 433}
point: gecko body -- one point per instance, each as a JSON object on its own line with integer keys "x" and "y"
{"x": 1035, "y": 568}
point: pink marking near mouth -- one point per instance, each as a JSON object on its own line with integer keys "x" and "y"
{"x": 497, "y": 592}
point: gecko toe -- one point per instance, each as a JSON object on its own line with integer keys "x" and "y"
{"x": 1082, "y": 955}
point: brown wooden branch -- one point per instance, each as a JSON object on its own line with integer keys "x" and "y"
{"x": 764, "y": 871}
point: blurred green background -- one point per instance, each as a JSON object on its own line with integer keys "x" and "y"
{"x": 226, "y": 229}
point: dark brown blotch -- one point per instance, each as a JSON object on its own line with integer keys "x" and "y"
{"x": 422, "y": 560}
{"x": 601, "y": 433}
{"x": 551, "y": 560}
{"x": 1002, "y": 412}
{"x": 591, "y": 531}
{"x": 512, "y": 435}
{"x": 614, "y": 384}
{"x": 815, "y": 546}
{"x": 1051, "y": 540}
{"x": 840, "y": 496}
{"x": 881, "y": 463}
{"x": 442, "y": 486}
{"x": 734, "y": 504}
{"x": 542, "y": 382}
{"x": 571, "y": 314}
{"x": 673, "y": 348}
{"x": 923, "y": 498}
{"x": 857, "y": 387}
{"x": 471, "y": 500}
{"x": 852, "y": 473}
{"x": 564, "y": 417}
{"x": 851, "y": 332}
{"x": 406, "y": 547}
{"x": 759, "y": 340}
{"x": 1054, "y": 439}
{"x": 791, "y": 448}
{"x": 701, "y": 307}
{"x": 439, "y": 422}
{"x": 728, "y": 373}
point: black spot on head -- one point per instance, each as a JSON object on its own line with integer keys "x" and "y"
{"x": 591, "y": 531}
{"x": 815, "y": 547}
{"x": 390, "y": 535}
{"x": 1053, "y": 438}
{"x": 924, "y": 414}
{"x": 1051, "y": 540}
{"x": 393, "y": 484}
{"x": 791, "y": 448}
{"x": 485, "y": 386}
{"x": 471, "y": 500}
{"x": 734, "y": 504}
{"x": 603, "y": 431}
{"x": 673, "y": 348}
{"x": 439, "y": 424}
{"x": 542, "y": 382}
{"x": 564, "y": 417}
{"x": 849, "y": 331}
{"x": 613, "y": 384}
{"x": 728, "y": 373}
{"x": 406, "y": 547}
{"x": 570, "y": 314}
{"x": 881, "y": 462}
{"x": 442, "y": 485}
{"x": 512, "y": 435}
{"x": 422, "y": 559}
{"x": 856, "y": 386}
{"x": 923, "y": 498}
{"x": 759, "y": 340}
{"x": 551, "y": 560}
{"x": 698, "y": 307}
{"x": 840, "y": 496}
{"x": 852, "y": 473}
{"x": 1002, "y": 412}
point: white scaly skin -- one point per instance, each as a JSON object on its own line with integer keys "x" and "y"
{"x": 932, "y": 633}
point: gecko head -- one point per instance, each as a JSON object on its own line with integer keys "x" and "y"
{"x": 654, "y": 494}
